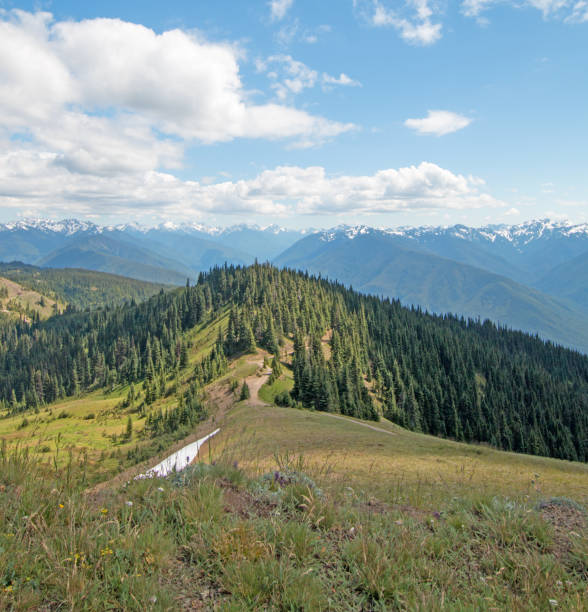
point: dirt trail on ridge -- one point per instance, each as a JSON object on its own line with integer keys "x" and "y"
{"x": 257, "y": 380}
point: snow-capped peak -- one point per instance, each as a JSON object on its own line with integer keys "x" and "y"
{"x": 66, "y": 226}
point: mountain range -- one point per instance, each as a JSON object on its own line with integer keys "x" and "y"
{"x": 532, "y": 276}
{"x": 169, "y": 253}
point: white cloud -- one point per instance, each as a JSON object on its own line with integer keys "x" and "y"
{"x": 279, "y": 8}
{"x": 579, "y": 12}
{"x": 342, "y": 79}
{"x": 290, "y": 76}
{"x": 438, "y": 123}
{"x": 109, "y": 96}
{"x": 36, "y": 180}
{"x": 571, "y": 11}
{"x": 415, "y": 20}
{"x": 512, "y": 212}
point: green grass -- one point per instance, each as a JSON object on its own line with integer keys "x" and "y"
{"x": 396, "y": 467}
{"x": 300, "y": 511}
{"x": 93, "y": 425}
{"x": 285, "y": 383}
{"x": 216, "y": 538}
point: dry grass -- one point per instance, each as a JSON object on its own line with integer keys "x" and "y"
{"x": 397, "y": 465}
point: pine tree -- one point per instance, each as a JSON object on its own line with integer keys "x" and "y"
{"x": 245, "y": 393}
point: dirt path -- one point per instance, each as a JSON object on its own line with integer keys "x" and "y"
{"x": 257, "y": 380}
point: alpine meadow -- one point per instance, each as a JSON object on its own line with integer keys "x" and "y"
{"x": 293, "y": 306}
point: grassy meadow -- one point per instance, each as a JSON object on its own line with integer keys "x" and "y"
{"x": 287, "y": 509}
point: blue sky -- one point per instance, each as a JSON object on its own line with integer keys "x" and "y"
{"x": 295, "y": 112}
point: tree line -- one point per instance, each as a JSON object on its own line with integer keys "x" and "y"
{"x": 353, "y": 354}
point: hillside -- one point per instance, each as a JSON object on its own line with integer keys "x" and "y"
{"x": 195, "y": 251}
{"x": 375, "y": 262}
{"x": 18, "y": 300}
{"x": 569, "y": 281}
{"x": 284, "y": 509}
{"x": 80, "y": 288}
{"x": 114, "y": 256}
{"x": 441, "y": 375}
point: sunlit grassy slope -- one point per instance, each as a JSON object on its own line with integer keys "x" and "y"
{"x": 17, "y": 299}
{"x": 95, "y": 423}
{"x": 393, "y": 464}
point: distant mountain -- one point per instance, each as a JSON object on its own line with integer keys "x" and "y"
{"x": 116, "y": 256}
{"x": 29, "y": 241}
{"x": 79, "y": 288}
{"x": 569, "y": 281}
{"x": 524, "y": 252}
{"x": 186, "y": 248}
{"x": 263, "y": 243}
{"x": 190, "y": 249}
{"x": 380, "y": 262}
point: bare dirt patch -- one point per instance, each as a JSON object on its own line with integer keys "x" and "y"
{"x": 567, "y": 521}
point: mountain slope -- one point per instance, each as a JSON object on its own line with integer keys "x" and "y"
{"x": 441, "y": 375}
{"x": 80, "y": 288}
{"x": 262, "y": 243}
{"x": 569, "y": 281}
{"x": 373, "y": 262}
{"x": 196, "y": 252}
{"x": 108, "y": 254}
{"x": 29, "y": 241}
{"x": 529, "y": 249}
{"x": 19, "y": 301}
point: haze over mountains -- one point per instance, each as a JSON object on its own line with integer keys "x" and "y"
{"x": 532, "y": 276}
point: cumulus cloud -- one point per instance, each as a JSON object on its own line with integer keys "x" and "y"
{"x": 415, "y": 20}
{"x": 41, "y": 181}
{"x": 438, "y": 123}
{"x": 109, "y": 96}
{"x": 279, "y": 8}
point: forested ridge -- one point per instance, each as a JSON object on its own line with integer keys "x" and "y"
{"x": 78, "y": 288}
{"x": 448, "y": 376}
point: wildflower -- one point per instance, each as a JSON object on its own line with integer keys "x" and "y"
{"x": 129, "y": 503}
{"x": 160, "y": 489}
{"x": 553, "y": 602}
{"x": 104, "y": 510}
{"x": 8, "y": 589}
{"x": 106, "y": 551}
{"x": 60, "y": 505}
{"x": 153, "y": 599}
